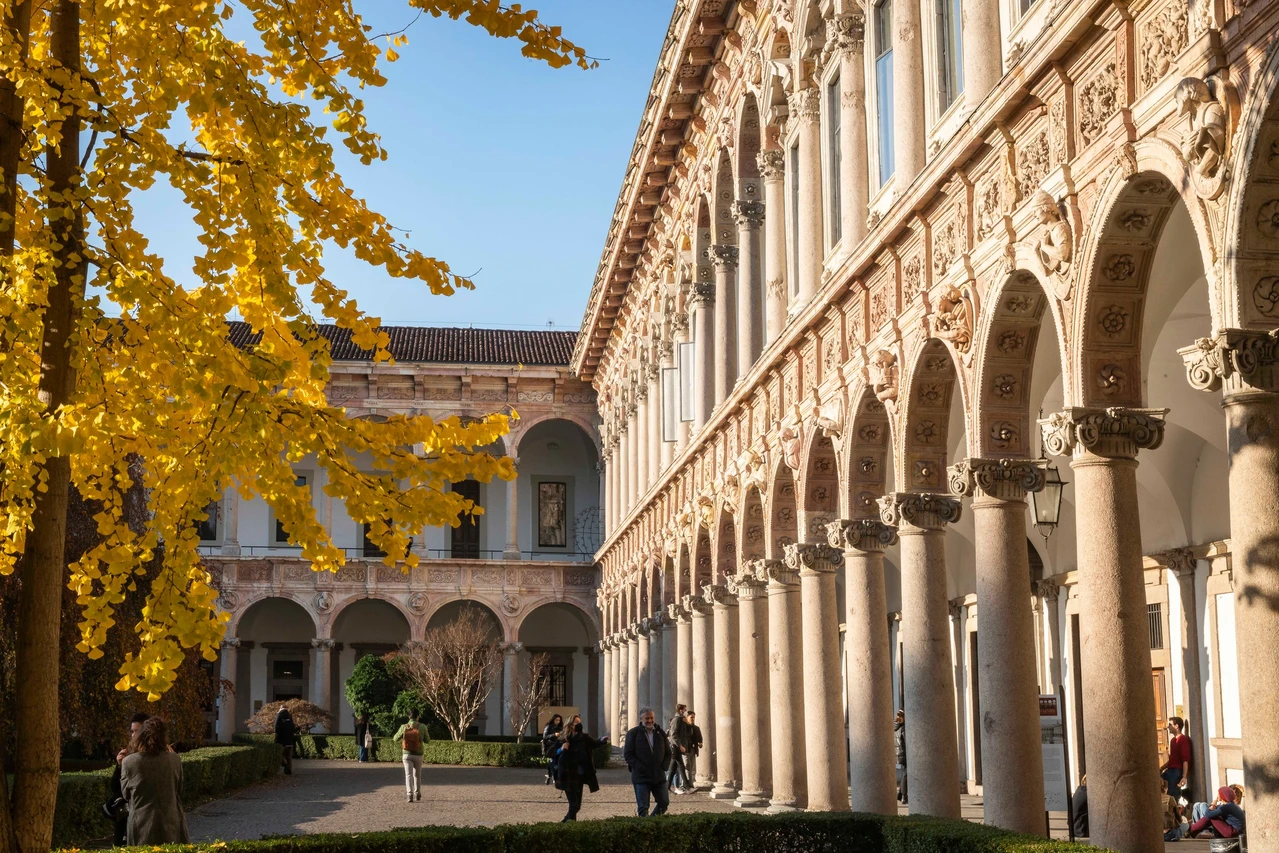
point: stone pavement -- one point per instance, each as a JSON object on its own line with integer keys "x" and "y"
{"x": 345, "y": 796}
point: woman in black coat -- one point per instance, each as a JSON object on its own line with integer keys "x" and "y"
{"x": 577, "y": 768}
{"x": 551, "y": 744}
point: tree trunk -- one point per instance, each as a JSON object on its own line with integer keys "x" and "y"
{"x": 43, "y": 564}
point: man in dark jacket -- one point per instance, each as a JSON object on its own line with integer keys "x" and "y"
{"x": 286, "y": 736}
{"x": 648, "y": 755}
{"x": 899, "y": 738}
{"x": 694, "y": 750}
{"x": 677, "y": 777}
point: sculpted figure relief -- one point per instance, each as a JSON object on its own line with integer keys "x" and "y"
{"x": 883, "y": 377}
{"x": 954, "y": 319}
{"x": 1205, "y": 145}
{"x": 792, "y": 442}
{"x": 1054, "y": 245}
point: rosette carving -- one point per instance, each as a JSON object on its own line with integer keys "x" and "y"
{"x": 920, "y": 509}
{"x": 1009, "y": 479}
{"x": 1112, "y": 432}
{"x": 862, "y": 534}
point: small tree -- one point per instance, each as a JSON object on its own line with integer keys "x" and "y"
{"x": 531, "y": 691}
{"x": 454, "y": 668}
{"x": 306, "y": 716}
{"x": 371, "y": 691}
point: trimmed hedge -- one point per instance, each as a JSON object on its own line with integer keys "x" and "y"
{"x": 207, "y": 772}
{"x": 695, "y": 833}
{"x": 471, "y": 753}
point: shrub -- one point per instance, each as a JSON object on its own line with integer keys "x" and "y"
{"x": 306, "y": 716}
{"x": 207, "y": 772}
{"x": 469, "y": 753}
{"x": 371, "y": 690}
{"x": 744, "y": 833}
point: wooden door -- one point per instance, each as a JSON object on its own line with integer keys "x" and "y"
{"x": 466, "y": 536}
{"x": 1161, "y": 713}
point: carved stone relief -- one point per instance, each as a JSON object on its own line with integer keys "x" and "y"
{"x": 1098, "y": 99}
{"x": 1163, "y": 38}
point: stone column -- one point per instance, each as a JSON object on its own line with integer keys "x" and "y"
{"x": 1048, "y": 593}
{"x": 1241, "y": 364}
{"x": 611, "y": 488}
{"x": 868, "y": 665}
{"x": 1181, "y": 562}
{"x": 621, "y": 678}
{"x": 703, "y": 685}
{"x": 751, "y": 589}
{"x": 786, "y": 689}
{"x": 725, "y": 259}
{"x": 684, "y": 430}
{"x": 1123, "y": 763}
{"x": 1012, "y": 774}
{"x": 624, "y": 471}
{"x": 910, "y": 133}
{"x": 322, "y": 675}
{"x": 850, "y": 41}
{"x": 772, "y": 166}
{"x": 231, "y": 528}
{"x": 642, "y": 436}
{"x": 805, "y": 109}
{"x": 642, "y": 698}
{"x": 510, "y": 683}
{"x": 632, "y": 677}
{"x": 666, "y": 453}
{"x": 606, "y": 645}
{"x": 683, "y": 656}
{"x": 932, "y": 749}
{"x": 654, "y": 424}
{"x": 825, "y": 755}
{"x": 655, "y": 668}
{"x": 983, "y": 66}
{"x": 670, "y": 665}
{"x": 512, "y": 550}
{"x": 750, "y": 284}
{"x": 704, "y": 355}
{"x": 727, "y": 743}
{"x": 228, "y": 663}
{"x": 594, "y": 711}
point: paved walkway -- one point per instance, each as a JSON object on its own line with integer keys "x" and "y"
{"x": 345, "y": 796}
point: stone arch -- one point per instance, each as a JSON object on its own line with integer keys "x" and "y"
{"x": 925, "y": 441}
{"x": 1250, "y": 283}
{"x": 751, "y": 524}
{"x": 587, "y": 618}
{"x": 589, "y": 431}
{"x": 724, "y": 548}
{"x": 237, "y": 617}
{"x": 1007, "y": 345}
{"x": 724, "y": 193}
{"x": 1130, "y": 218}
{"x": 669, "y": 589}
{"x": 747, "y": 149}
{"x": 868, "y": 448}
{"x": 410, "y": 618}
{"x": 701, "y": 567}
{"x": 444, "y": 609}
{"x": 819, "y": 493}
{"x": 702, "y": 239}
{"x": 782, "y": 512}
{"x": 683, "y": 572}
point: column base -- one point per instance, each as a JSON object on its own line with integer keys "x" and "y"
{"x": 781, "y": 807}
{"x": 723, "y": 792}
{"x": 511, "y": 555}
{"x": 751, "y": 800}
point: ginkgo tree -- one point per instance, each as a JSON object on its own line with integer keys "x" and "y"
{"x": 108, "y": 362}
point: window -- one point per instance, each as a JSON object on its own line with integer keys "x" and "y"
{"x": 465, "y": 538}
{"x": 208, "y": 528}
{"x": 833, "y": 153}
{"x": 371, "y": 548}
{"x": 670, "y": 403}
{"x": 1023, "y": 6}
{"x": 687, "y": 365}
{"x": 950, "y": 63}
{"x": 1155, "y": 621}
{"x": 552, "y": 514}
{"x": 794, "y": 216}
{"x": 281, "y": 537}
{"x": 556, "y": 678}
{"x": 884, "y": 87}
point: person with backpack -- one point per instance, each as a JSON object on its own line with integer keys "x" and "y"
{"x": 286, "y": 735}
{"x": 410, "y": 737}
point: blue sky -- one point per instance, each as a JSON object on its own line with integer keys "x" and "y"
{"x": 499, "y": 165}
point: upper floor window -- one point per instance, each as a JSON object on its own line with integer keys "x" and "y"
{"x": 950, "y": 62}
{"x": 370, "y": 548}
{"x": 1023, "y": 6}
{"x": 883, "y": 51}
{"x": 281, "y": 537}
{"x": 208, "y": 529}
{"x": 833, "y": 155}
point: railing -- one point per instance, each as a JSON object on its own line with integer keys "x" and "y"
{"x": 294, "y": 552}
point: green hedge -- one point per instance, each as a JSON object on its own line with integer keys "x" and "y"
{"x": 695, "y": 833}
{"x": 206, "y": 773}
{"x": 471, "y": 753}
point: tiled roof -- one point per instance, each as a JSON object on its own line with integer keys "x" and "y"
{"x": 444, "y": 345}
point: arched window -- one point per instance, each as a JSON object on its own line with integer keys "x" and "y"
{"x": 883, "y": 50}
{"x": 950, "y": 62}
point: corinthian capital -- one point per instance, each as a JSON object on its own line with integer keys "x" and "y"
{"x": 849, "y": 32}
{"x": 1112, "y": 433}
{"x": 1007, "y": 479}
{"x": 1235, "y": 361}
{"x": 703, "y": 295}
{"x": 805, "y": 105}
{"x": 718, "y": 594}
{"x": 748, "y": 214}
{"x": 860, "y": 534}
{"x": 776, "y": 574}
{"x": 724, "y": 256}
{"x": 812, "y": 557}
{"x": 772, "y": 164}
{"x": 676, "y": 613}
{"x": 695, "y": 605}
{"x": 927, "y": 511}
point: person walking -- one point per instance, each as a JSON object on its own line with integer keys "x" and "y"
{"x": 115, "y": 808}
{"x": 677, "y": 777}
{"x": 410, "y": 737}
{"x": 1176, "y": 770}
{"x": 577, "y": 768}
{"x": 1079, "y": 808}
{"x": 363, "y": 736}
{"x": 899, "y": 738}
{"x": 694, "y": 750}
{"x": 151, "y": 779}
{"x": 286, "y": 734}
{"x": 551, "y": 744}
{"x": 648, "y": 755}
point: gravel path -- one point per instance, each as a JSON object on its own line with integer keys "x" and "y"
{"x": 345, "y": 796}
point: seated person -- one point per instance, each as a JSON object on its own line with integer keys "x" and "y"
{"x": 1172, "y": 811}
{"x": 1223, "y": 819}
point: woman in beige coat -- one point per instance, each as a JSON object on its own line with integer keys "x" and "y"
{"x": 151, "y": 778}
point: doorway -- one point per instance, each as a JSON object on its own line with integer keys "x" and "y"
{"x": 465, "y": 544}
